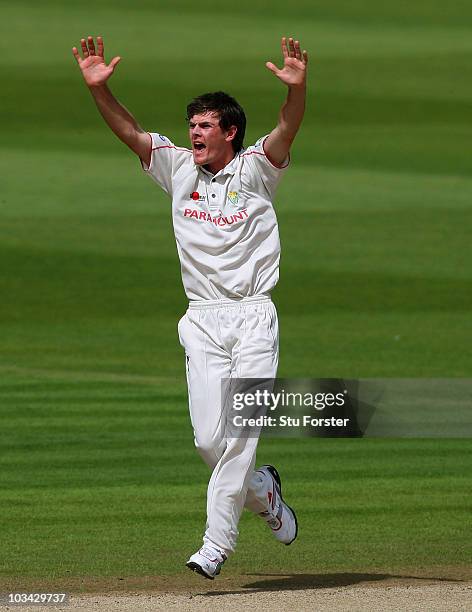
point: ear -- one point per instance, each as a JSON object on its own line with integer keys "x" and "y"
{"x": 231, "y": 133}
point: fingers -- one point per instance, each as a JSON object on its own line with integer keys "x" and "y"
{"x": 76, "y": 55}
{"x": 292, "y": 49}
{"x": 83, "y": 44}
{"x": 272, "y": 67}
{"x": 88, "y": 47}
{"x": 91, "y": 46}
{"x": 284, "y": 47}
{"x": 100, "y": 45}
{"x": 114, "y": 62}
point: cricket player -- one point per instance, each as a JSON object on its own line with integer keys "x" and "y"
{"x": 228, "y": 245}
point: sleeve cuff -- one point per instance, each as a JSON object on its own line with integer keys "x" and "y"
{"x": 144, "y": 166}
{"x": 283, "y": 165}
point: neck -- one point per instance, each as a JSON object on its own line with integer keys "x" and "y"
{"x": 218, "y": 165}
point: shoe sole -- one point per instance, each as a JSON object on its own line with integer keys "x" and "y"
{"x": 275, "y": 475}
{"x": 199, "y": 570}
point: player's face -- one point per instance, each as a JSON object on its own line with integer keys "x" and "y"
{"x": 211, "y": 146}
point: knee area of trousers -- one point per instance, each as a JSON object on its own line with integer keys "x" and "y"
{"x": 210, "y": 448}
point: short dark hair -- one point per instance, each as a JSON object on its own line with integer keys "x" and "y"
{"x": 229, "y": 111}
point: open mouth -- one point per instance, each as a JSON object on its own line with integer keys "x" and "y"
{"x": 199, "y": 146}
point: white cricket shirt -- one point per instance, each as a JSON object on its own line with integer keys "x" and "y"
{"x": 225, "y": 224}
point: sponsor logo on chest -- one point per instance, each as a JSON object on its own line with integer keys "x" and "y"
{"x": 196, "y": 197}
{"x": 220, "y": 221}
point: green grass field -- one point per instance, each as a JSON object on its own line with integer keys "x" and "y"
{"x": 98, "y": 472}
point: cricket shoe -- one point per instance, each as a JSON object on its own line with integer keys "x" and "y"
{"x": 279, "y": 516}
{"x": 207, "y": 562}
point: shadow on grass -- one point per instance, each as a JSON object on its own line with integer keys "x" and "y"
{"x": 293, "y": 582}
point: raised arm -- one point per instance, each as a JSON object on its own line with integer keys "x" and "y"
{"x": 293, "y": 74}
{"x": 96, "y": 74}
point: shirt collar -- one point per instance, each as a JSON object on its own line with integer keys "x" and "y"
{"x": 230, "y": 168}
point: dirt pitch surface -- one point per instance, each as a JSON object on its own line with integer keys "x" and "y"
{"x": 447, "y": 591}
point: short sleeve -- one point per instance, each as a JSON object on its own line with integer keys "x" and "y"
{"x": 267, "y": 171}
{"x": 165, "y": 159}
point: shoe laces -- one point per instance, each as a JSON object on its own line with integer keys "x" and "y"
{"x": 270, "y": 519}
{"x": 211, "y": 554}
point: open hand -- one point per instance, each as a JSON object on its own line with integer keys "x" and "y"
{"x": 92, "y": 64}
{"x": 293, "y": 72}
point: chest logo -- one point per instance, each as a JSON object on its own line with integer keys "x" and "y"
{"x": 196, "y": 197}
{"x": 233, "y": 197}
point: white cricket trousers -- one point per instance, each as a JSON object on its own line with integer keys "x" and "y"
{"x": 227, "y": 339}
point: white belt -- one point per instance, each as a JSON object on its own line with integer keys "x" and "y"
{"x": 228, "y": 302}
